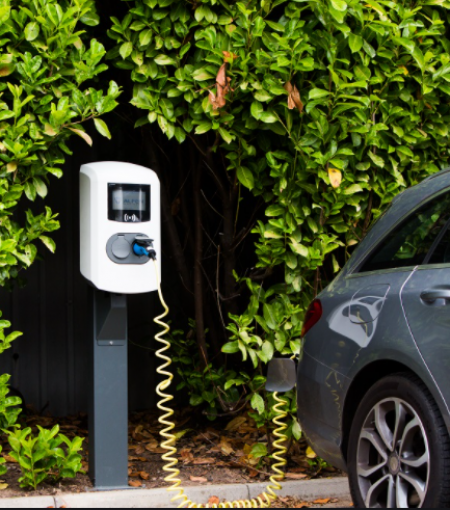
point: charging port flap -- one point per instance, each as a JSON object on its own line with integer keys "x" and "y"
{"x": 281, "y": 375}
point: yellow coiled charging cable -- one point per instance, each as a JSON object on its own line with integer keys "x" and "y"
{"x": 263, "y": 501}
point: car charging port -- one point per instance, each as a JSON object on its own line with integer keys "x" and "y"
{"x": 143, "y": 247}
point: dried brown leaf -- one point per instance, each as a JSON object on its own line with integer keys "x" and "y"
{"x": 198, "y": 479}
{"x": 221, "y": 78}
{"x": 144, "y": 475}
{"x": 294, "y": 99}
{"x": 213, "y": 500}
{"x": 225, "y": 446}
{"x": 205, "y": 460}
{"x": 236, "y": 423}
{"x": 229, "y": 56}
{"x": 152, "y": 444}
{"x": 135, "y": 483}
{"x": 322, "y": 501}
{"x": 139, "y": 450}
{"x": 296, "y": 476}
{"x": 8, "y": 458}
{"x": 3, "y": 486}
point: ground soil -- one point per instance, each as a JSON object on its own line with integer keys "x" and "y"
{"x": 208, "y": 454}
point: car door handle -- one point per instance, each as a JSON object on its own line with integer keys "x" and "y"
{"x": 433, "y": 295}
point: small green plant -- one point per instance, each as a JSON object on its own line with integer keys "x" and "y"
{"x": 41, "y": 457}
{"x": 9, "y": 412}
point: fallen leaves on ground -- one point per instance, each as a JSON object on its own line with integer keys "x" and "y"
{"x": 208, "y": 452}
{"x": 322, "y": 501}
{"x": 213, "y": 500}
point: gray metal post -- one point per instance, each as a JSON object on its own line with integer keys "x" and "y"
{"x": 108, "y": 417}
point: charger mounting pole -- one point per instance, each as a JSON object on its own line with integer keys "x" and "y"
{"x": 108, "y": 417}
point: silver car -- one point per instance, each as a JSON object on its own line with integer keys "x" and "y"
{"x": 374, "y": 374}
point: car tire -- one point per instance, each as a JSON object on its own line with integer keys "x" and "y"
{"x": 399, "y": 447}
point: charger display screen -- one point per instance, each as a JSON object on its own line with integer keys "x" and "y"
{"x": 129, "y": 203}
{"x": 129, "y": 200}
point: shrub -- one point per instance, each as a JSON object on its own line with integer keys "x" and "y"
{"x": 324, "y": 108}
{"x": 41, "y": 459}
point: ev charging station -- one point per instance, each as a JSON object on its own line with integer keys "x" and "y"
{"x": 120, "y": 232}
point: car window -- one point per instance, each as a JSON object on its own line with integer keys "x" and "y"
{"x": 441, "y": 254}
{"x": 409, "y": 243}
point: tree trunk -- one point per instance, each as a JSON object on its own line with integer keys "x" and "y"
{"x": 198, "y": 257}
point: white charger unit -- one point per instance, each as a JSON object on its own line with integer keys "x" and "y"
{"x": 120, "y": 227}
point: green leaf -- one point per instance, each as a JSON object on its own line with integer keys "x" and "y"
{"x": 30, "y": 191}
{"x": 376, "y": 159}
{"x": 296, "y": 430}
{"x": 257, "y": 403}
{"x": 102, "y": 128}
{"x": 231, "y": 348}
{"x": 268, "y": 117}
{"x": 202, "y": 128}
{"x": 41, "y": 187}
{"x": 256, "y": 109}
{"x": 246, "y": 177}
{"x": 49, "y": 243}
{"x": 355, "y": 42}
{"x": 145, "y": 37}
{"x": 196, "y": 400}
{"x": 83, "y": 135}
{"x": 339, "y": 5}
{"x": 126, "y": 50}
{"x": 267, "y": 352}
{"x": 165, "y": 60}
{"x": 202, "y": 75}
{"x": 226, "y": 135}
{"x": 269, "y": 316}
{"x": 259, "y": 450}
{"x": 318, "y": 93}
{"x": 32, "y": 31}
{"x": 351, "y": 190}
{"x": 299, "y": 248}
{"x": 91, "y": 19}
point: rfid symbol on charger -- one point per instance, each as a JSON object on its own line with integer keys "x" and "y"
{"x": 130, "y": 218}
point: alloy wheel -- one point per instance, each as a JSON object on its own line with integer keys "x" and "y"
{"x": 393, "y": 457}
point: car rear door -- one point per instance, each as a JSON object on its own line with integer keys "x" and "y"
{"x": 364, "y": 311}
{"x": 426, "y": 304}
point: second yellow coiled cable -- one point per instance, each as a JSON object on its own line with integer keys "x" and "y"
{"x": 263, "y": 501}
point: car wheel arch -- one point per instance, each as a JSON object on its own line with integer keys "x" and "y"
{"x": 360, "y": 385}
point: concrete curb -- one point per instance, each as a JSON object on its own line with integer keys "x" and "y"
{"x": 159, "y": 498}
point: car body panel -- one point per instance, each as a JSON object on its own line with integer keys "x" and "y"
{"x": 429, "y": 323}
{"x": 364, "y": 322}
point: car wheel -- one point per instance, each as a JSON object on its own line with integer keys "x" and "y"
{"x": 399, "y": 448}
